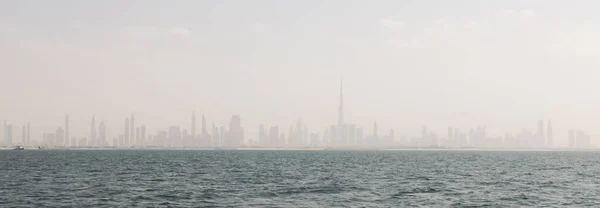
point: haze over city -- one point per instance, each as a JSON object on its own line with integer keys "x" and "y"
{"x": 405, "y": 65}
{"x": 299, "y": 103}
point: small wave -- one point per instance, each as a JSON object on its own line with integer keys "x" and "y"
{"x": 426, "y": 190}
{"x": 423, "y": 178}
{"x": 151, "y": 190}
{"x": 306, "y": 190}
{"x": 157, "y": 180}
{"x": 515, "y": 198}
{"x": 557, "y": 168}
{"x": 166, "y": 196}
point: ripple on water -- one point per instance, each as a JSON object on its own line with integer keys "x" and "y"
{"x": 298, "y": 179}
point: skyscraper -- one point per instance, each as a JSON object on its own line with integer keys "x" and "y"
{"x": 351, "y": 134}
{"x": 193, "y": 125}
{"x": 175, "y": 137}
{"x": 59, "y": 137}
{"x": 274, "y": 136}
{"x": 342, "y": 132}
{"x": 67, "y": 129}
{"x": 126, "y": 140}
{"x": 549, "y": 134}
{"x": 235, "y": 138}
{"x": 359, "y": 136}
{"x": 92, "y": 140}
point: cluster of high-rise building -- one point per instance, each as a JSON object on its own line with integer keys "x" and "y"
{"x": 177, "y": 137}
{"x": 340, "y": 135}
{"x": 61, "y": 137}
{"x": 8, "y": 140}
{"x": 579, "y": 139}
{"x": 132, "y": 137}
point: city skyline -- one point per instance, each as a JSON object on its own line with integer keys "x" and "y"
{"x": 339, "y": 135}
{"x": 504, "y": 65}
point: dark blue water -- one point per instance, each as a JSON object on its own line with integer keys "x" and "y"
{"x": 177, "y": 178}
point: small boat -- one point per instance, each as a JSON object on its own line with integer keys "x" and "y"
{"x": 19, "y": 148}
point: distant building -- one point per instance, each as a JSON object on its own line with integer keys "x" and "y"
{"x": 235, "y": 136}
{"x": 282, "y": 140}
{"x": 175, "y": 137}
{"x": 83, "y": 142}
{"x": 126, "y": 136}
{"x": 205, "y": 136}
{"x": 59, "y": 137}
{"x": 274, "y": 136}
{"x": 342, "y": 130}
{"x": 50, "y": 139}
{"x": 571, "y": 138}
{"x": 352, "y": 134}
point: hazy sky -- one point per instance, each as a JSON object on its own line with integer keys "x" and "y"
{"x": 502, "y": 64}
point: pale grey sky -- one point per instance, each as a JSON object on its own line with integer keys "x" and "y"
{"x": 502, "y": 64}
